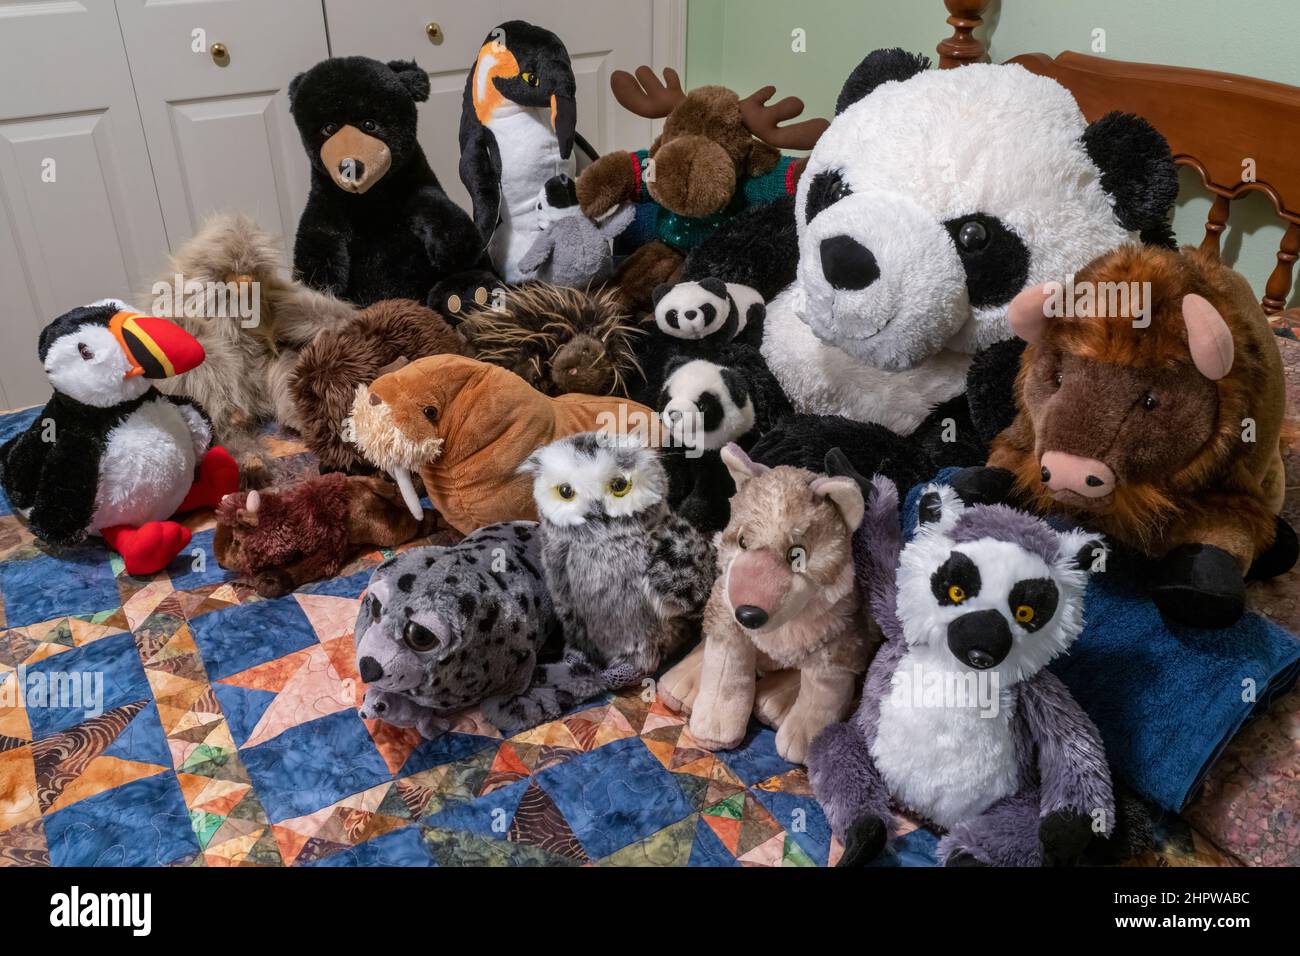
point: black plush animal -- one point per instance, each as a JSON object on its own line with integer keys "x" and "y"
{"x": 378, "y": 225}
{"x": 705, "y": 405}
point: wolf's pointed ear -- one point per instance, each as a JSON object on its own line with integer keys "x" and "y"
{"x": 938, "y": 508}
{"x": 845, "y": 494}
{"x": 413, "y": 78}
{"x": 1085, "y": 551}
{"x": 740, "y": 465}
{"x": 837, "y": 465}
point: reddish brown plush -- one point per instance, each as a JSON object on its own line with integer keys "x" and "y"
{"x": 1140, "y": 432}
{"x": 356, "y": 353}
{"x": 280, "y": 539}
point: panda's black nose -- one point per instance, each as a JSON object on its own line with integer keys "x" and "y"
{"x": 981, "y": 639}
{"x": 847, "y": 263}
{"x": 689, "y": 315}
{"x": 369, "y": 669}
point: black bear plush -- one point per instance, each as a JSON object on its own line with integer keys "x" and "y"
{"x": 378, "y": 225}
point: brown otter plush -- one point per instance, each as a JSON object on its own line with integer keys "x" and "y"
{"x": 1154, "y": 415}
{"x": 282, "y": 538}
{"x": 558, "y": 339}
{"x": 467, "y": 426}
{"x": 355, "y": 353}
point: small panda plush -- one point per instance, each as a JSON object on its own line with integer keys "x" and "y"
{"x": 704, "y": 405}
{"x": 710, "y": 309}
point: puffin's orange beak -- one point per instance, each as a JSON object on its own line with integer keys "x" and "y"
{"x": 155, "y": 347}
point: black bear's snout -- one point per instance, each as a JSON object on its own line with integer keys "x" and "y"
{"x": 369, "y": 669}
{"x": 750, "y": 616}
{"x": 981, "y": 639}
{"x": 848, "y": 264}
{"x": 353, "y": 168}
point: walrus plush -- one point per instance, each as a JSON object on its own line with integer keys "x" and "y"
{"x": 466, "y": 427}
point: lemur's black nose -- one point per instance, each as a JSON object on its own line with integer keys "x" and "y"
{"x": 848, "y": 264}
{"x": 750, "y": 616}
{"x": 981, "y": 639}
{"x": 369, "y": 669}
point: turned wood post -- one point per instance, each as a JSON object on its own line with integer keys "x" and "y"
{"x": 962, "y": 47}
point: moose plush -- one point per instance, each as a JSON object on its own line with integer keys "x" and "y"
{"x": 961, "y": 721}
{"x": 378, "y": 224}
{"x": 717, "y": 154}
{"x": 1154, "y": 415}
{"x": 785, "y": 632}
{"x": 281, "y": 538}
{"x": 467, "y": 426}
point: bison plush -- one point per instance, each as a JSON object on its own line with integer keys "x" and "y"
{"x": 282, "y": 538}
{"x": 1150, "y": 408}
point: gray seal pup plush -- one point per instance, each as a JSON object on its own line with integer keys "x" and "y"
{"x": 571, "y": 250}
{"x": 443, "y": 628}
{"x": 961, "y": 722}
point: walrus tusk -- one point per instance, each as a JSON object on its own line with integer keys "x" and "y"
{"x": 403, "y": 479}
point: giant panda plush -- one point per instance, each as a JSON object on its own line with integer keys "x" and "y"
{"x": 930, "y": 201}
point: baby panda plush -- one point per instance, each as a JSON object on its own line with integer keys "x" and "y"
{"x": 443, "y": 628}
{"x": 978, "y": 183}
{"x": 704, "y": 405}
{"x": 960, "y": 720}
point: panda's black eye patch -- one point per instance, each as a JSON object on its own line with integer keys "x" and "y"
{"x": 1033, "y": 602}
{"x": 827, "y": 188}
{"x": 710, "y": 407}
{"x": 995, "y": 258}
{"x": 956, "y": 580}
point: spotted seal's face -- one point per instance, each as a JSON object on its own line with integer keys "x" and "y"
{"x": 1000, "y": 589}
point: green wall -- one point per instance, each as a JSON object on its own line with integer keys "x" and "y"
{"x": 745, "y": 44}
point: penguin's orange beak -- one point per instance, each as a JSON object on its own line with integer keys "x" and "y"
{"x": 155, "y": 347}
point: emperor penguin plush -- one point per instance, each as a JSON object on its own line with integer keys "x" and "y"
{"x": 110, "y": 455}
{"x": 517, "y": 130}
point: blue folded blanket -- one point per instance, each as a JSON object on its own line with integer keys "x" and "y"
{"x": 1166, "y": 698}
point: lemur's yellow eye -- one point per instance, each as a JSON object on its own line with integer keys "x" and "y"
{"x": 530, "y": 78}
{"x": 956, "y": 594}
{"x": 620, "y": 486}
{"x": 565, "y": 491}
{"x": 1024, "y": 614}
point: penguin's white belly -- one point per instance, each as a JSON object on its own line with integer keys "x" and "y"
{"x": 530, "y": 155}
{"x": 948, "y": 763}
{"x": 146, "y": 468}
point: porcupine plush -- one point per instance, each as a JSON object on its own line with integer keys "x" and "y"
{"x": 559, "y": 340}
{"x": 629, "y": 578}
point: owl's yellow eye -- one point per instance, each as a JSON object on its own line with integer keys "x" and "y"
{"x": 956, "y": 594}
{"x": 565, "y": 491}
{"x": 530, "y": 78}
{"x": 1024, "y": 614}
{"x": 620, "y": 486}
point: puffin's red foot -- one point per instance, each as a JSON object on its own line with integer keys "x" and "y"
{"x": 148, "y": 548}
{"x": 218, "y": 477}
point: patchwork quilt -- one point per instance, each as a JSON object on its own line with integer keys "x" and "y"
{"x": 182, "y": 720}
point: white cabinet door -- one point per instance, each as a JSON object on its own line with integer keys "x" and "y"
{"x": 219, "y": 130}
{"x": 79, "y": 217}
{"x": 600, "y": 35}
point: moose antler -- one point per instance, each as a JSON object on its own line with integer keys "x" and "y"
{"x": 645, "y": 95}
{"x": 761, "y": 119}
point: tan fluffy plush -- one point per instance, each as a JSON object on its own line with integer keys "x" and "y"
{"x": 244, "y": 381}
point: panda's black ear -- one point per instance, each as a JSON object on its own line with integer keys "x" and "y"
{"x": 1137, "y": 171}
{"x": 413, "y": 78}
{"x": 713, "y": 287}
{"x": 879, "y": 66}
{"x": 736, "y": 384}
{"x": 660, "y": 291}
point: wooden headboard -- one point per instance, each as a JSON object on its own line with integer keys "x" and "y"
{"x": 1239, "y": 133}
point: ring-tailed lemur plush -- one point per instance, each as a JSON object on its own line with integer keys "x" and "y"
{"x": 443, "y": 628}
{"x": 629, "y": 578}
{"x": 960, "y": 721}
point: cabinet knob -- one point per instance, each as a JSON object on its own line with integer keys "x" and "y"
{"x": 434, "y": 31}
{"x": 220, "y": 54}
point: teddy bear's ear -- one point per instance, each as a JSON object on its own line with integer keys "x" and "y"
{"x": 879, "y": 66}
{"x": 413, "y": 78}
{"x": 293, "y": 87}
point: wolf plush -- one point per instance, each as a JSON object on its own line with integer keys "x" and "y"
{"x": 960, "y": 721}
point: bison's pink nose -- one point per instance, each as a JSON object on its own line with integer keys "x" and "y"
{"x": 1083, "y": 476}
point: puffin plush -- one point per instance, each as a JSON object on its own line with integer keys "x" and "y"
{"x": 110, "y": 455}
{"x": 517, "y": 130}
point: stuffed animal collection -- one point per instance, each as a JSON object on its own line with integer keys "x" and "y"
{"x": 785, "y": 633}
{"x": 646, "y": 393}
